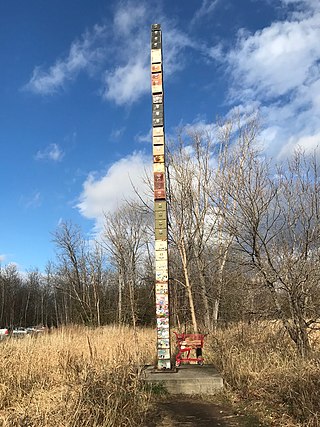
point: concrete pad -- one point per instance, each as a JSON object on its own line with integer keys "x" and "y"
{"x": 187, "y": 379}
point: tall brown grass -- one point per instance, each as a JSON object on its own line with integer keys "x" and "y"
{"x": 264, "y": 372}
{"x": 75, "y": 377}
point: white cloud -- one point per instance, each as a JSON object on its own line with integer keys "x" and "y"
{"x": 130, "y": 79}
{"x": 279, "y": 58}
{"x": 107, "y": 193}
{"x": 206, "y": 8}
{"x": 2, "y": 258}
{"x": 127, "y": 83}
{"x": 32, "y": 201}
{"x": 202, "y": 127}
{"x": 117, "y": 133}
{"x": 129, "y": 17}
{"x": 147, "y": 137}
{"x": 278, "y": 69}
{"x": 308, "y": 144}
{"x": 84, "y": 54}
{"x": 52, "y": 152}
{"x": 175, "y": 44}
{"x": 124, "y": 62}
{"x": 302, "y": 7}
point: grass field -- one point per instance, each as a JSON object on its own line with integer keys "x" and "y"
{"x": 75, "y": 377}
{"x": 264, "y": 374}
{"x": 79, "y": 377}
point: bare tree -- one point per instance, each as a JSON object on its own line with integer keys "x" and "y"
{"x": 80, "y": 273}
{"x": 191, "y": 223}
{"x": 124, "y": 238}
{"x": 275, "y": 226}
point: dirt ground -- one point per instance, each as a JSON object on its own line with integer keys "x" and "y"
{"x": 193, "y": 412}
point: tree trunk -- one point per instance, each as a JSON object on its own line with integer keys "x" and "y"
{"x": 204, "y": 296}
{"x": 223, "y": 255}
{"x": 188, "y": 286}
{"x": 120, "y": 287}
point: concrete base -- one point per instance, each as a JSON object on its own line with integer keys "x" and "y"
{"x": 187, "y": 379}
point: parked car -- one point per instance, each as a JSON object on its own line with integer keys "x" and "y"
{"x": 19, "y": 332}
{"x": 4, "y": 333}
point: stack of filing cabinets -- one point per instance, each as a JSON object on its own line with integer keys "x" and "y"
{"x": 160, "y": 203}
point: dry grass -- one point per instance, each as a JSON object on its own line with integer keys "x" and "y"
{"x": 265, "y": 374}
{"x": 78, "y": 377}
{"x": 75, "y": 377}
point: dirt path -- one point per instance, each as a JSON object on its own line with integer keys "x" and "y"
{"x": 189, "y": 412}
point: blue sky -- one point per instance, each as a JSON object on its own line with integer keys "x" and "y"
{"x": 75, "y": 103}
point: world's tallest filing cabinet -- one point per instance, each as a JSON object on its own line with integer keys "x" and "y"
{"x": 160, "y": 203}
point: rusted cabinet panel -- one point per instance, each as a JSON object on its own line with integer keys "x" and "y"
{"x": 156, "y": 79}
{"x": 158, "y": 179}
{"x": 156, "y": 68}
{"x": 158, "y": 159}
{"x": 159, "y": 186}
{"x": 160, "y": 194}
{"x": 156, "y": 82}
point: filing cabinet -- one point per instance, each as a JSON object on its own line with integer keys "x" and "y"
{"x": 158, "y": 140}
{"x": 160, "y": 206}
{"x": 161, "y": 233}
{"x": 158, "y": 150}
